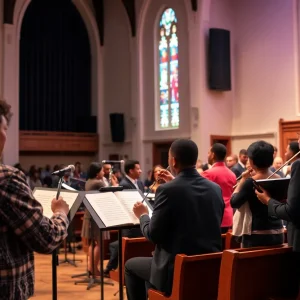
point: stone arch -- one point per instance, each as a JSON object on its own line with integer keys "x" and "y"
{"x": 11, "y": 69}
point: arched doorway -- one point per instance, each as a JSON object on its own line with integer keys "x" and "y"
{"x": 11, "y": 32}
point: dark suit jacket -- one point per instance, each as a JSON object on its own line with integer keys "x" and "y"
{"x": 290, "y": 211}
{"x": 128, "y": 185}
{"x": 237, "y": 169}
{"x": 186, "y": 219}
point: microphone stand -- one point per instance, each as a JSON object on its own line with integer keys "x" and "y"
{"x": 54, "y": 253}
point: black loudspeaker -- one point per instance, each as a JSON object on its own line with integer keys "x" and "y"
{"x": 87, "y": 124}
{"x": 219, "y": 60}
{"x": 117, "y": 127}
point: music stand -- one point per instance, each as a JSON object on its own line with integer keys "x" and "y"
{"x": 92, "y": 280}
{"x": 73, "y": 209}
{"x": 103, "y": 228}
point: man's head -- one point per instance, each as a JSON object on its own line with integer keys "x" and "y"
{"x": 231, "y": 160}
{"x": 291, "y": 150}
{"x": 216, "y": 153}
{"x": 132, "y": 169}
{"x": 182, "y": 154}
{"x": 5, "y": 116}
{"x": 106, "y": 170}
{"x": 243, "y": 156}
{"x": 277, "y": 162}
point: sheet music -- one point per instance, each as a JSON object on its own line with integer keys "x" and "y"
{"x": 128, "y": 199}
{"x": 109, "y": 209}
{"x": 45, "y": 198}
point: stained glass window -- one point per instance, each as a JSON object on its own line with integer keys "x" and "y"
{"x": 168, "y": 71}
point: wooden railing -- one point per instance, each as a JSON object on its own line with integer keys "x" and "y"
{"x": 45, "y": 141}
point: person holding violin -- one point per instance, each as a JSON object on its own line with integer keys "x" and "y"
{"x": 265, "y": 230}
{"x": 155, "y": 178}
{"x": 289, "y": 211}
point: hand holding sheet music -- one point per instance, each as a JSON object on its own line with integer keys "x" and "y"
{"x": 272, "y": 188}
{"x": 45, "y": 196}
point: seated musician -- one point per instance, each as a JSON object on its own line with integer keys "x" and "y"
{"x": 186, "y": 219}
{"x": 262, "y": 229}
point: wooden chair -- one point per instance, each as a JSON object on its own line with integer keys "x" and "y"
{"x": 195, "y": 277}
{"x": 254, "y": 274}
{"x": 133, "y": 247}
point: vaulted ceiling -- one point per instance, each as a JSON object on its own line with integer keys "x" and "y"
{"x": 129, "y": 5}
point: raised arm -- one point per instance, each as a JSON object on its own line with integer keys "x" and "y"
{"x": 24, "y": 215}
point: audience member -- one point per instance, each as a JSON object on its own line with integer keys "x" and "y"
{"x": 220, "y": 174}
{"x": 240, "y": 167}
{"x": 23, "y": 227}
{"x": 289, "y": 211}
{"x": 277, "y": 163}
{"x": 34, "y": 178}
{"x": 186, "y": 219}
{"x": 291, "y": 150}
{"x": 231, "y": 160}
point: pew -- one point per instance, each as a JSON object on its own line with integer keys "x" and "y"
{"x": 133, "y": 247}
{"x": 230, "y": 241}
{"x": 254, "y": 274}
{"x": 195, "y": 277}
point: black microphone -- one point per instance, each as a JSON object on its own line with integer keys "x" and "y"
{"x": 62, "y": 172}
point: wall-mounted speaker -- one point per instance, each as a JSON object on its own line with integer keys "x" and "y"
{"x": 117, "y": 127}
{"x": 87, "y": 124}
{"x": 219, "y": 60}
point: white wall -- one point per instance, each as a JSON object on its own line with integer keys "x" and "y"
{"x": 215, "y": 108}
{"x": 117, "y": 75}
{"x": 1, "y": 46}
{"x": 266, "y": 68}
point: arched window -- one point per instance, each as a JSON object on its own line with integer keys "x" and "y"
{"x": 168, "y": 71}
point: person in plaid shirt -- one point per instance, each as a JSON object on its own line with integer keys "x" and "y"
{"x": 23, "y": 228}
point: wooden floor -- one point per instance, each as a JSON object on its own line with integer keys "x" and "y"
{"x": 66, "y": 289}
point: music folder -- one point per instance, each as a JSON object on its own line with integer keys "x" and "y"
{"x": 45, "y": 195}
{"x": 277, "y": 187}
{"x": 114, "y": 209}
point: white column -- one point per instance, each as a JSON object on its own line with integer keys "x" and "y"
{"x": 1, "y": 46}
{"x": 137, "y": 122}
{"x": 11, "y": 91}
{"x": 198, "y": 26}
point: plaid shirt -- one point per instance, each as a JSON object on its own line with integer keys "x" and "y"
{"x": 23, "y": 229}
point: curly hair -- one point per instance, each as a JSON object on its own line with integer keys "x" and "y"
{"x": 5, "y": 111}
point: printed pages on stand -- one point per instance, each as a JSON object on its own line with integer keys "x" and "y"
{"x": 116, "y": 208}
